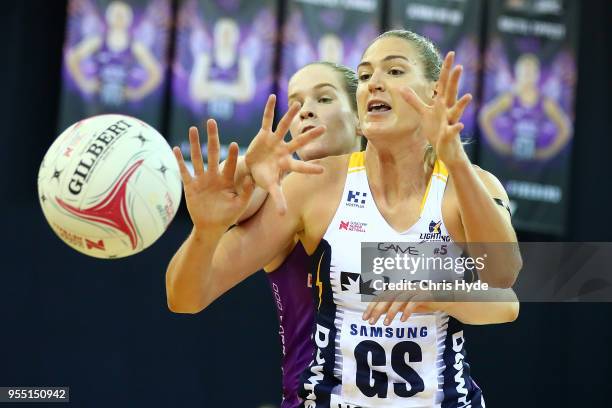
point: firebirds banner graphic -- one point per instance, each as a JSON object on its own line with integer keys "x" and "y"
{"x": 526, "y": 119}
{"x": 223, "y": 68}
{"x": 336, "y": 31}
{"x": 452, "y": 25}
{"x": 115, "y": 59}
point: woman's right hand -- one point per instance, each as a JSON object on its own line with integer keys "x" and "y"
{"x": 439, "y": 121}
{"x": 212, "y": 198}
{"x": 269, "y": 157}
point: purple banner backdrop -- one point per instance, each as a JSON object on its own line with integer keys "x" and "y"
{"x": 526, "y": 120}
{"x": 453, "y": 25}
{"x": 318, "y": 30}
{"x": 115, "y": 57}
{"x": 223, "y": 68}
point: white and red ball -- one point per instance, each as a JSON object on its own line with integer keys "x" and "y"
{"x": 109, "y": 186}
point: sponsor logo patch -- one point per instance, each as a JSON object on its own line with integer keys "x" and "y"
{"x": 435, "y": 232}
{"x": 356, "y": 199}
{"x": 352, "y": 226}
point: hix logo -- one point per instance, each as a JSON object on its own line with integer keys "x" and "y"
{"x": 356, "y": 199}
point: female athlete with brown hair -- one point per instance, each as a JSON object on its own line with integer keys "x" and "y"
{"x": 391, "y": 192}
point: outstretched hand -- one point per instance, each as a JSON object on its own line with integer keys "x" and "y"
{"x": 212, "y": 198}
{"x": 269, "y": 157}
{"x": 440, "y": 121}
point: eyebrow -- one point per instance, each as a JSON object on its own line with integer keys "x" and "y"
{"x": 387, "y": 58}
{"x": 318, "y": 86}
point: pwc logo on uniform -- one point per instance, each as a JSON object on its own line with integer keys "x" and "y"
{"x": 356, "y": 199}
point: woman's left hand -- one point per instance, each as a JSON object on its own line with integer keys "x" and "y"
{"x": 440, "y": 121}
{"x": 407, "y": 302}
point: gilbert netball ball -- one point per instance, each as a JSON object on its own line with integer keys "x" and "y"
{"x": 109, "y": 186}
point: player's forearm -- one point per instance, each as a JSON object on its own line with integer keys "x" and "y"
{"x": 486, "y": 120}
{"x": 485, "y": 226}
{"x": 245, "y": 87}
{"x": 480, "y": 313}
{"x": 154, "y": 74}
{"x": 257, "y": 199}
{"x": 190, "y": 272}
{"x": 485, "y": 307}
{"x": 556, "y": 115}
{"x": 153, "y": 79}
{"x": 74, "y": 68}
{"x": 481, "y": 216}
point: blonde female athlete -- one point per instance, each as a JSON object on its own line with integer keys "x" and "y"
{"x": 403, "y": 108}
{"x": 115, "y": 53}
{"x": 226, "y": 74}
{"x": 529, "y": 112}
{"x": 326, "y": 95}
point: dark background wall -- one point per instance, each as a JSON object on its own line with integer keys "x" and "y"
{"x": 103, "y": 328}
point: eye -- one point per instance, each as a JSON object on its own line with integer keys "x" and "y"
{"x": 364, "y": 76}
{"x": 396, "y": 71}
{"x": 325, "y": 99}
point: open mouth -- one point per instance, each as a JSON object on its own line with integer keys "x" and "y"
{"x": 307, "y": 128}
{"x": 378, "y": 106}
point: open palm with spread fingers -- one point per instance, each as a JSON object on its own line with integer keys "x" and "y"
{"x": 269, "y": 157}
{"x": 212, "y": 198}
{"x": 440, "y": 120}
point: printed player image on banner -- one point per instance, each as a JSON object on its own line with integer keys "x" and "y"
{"x": 315, "y": 31}
{"x": 453, "y": 25}
{"x": 526, "y": 120}
{"x": 115, "y": 55}
{"x": 223, "y": 68}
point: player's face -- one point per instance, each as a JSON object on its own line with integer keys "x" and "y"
{"x": 324, "y": 101}
{"x": 387, "y": 66}
{"x": 331, "y": 49}
{"x": 226, "y": 34}
{"x": 119, "y": 15}
{"x": 528, "y": 71}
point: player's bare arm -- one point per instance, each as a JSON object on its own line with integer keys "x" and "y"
{"x": 467, "y": 202}
{"x": 200, "y": 271}
{"x": 474, "y": 190}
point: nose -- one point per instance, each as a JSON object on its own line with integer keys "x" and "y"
{"x": 307, "y": 113}
{"x": 375, "y": 83}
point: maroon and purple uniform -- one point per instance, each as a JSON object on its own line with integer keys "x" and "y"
{"x": 294, "y": 304}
